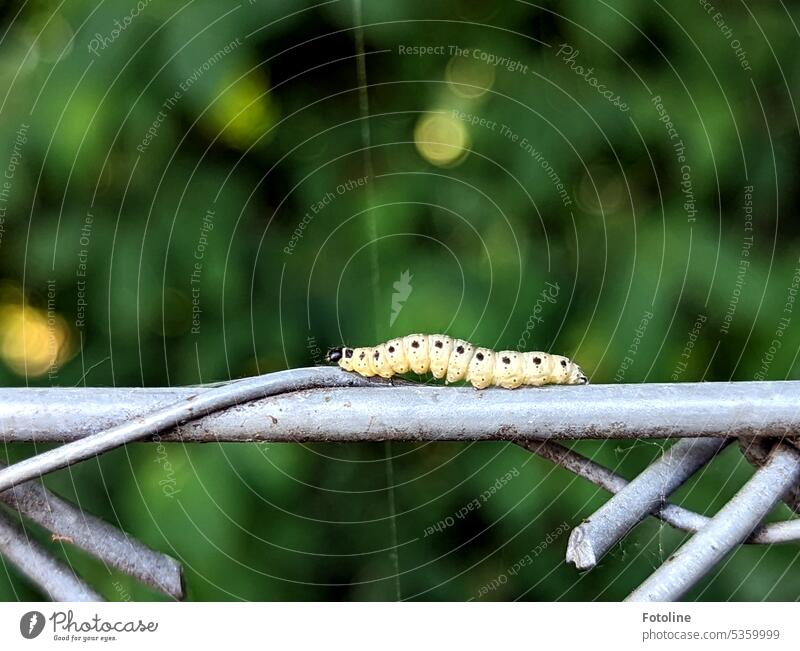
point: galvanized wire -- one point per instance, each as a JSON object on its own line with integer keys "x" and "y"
{"x": 416, "y": 412}
{"x": 672, "y": 514}
{"x": 71, "y": 525}
{"x": 203, "y": 401}
{"x": 50, "y": 575}
{"x": 592, "y": 539}
{"x": 727, "y": 529}
{"x": 327, "y": 404}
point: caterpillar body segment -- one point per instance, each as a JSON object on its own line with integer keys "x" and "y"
{"x": 381, "y": 362}
{"x": 511, "y": 375}
{"x": 480, "y": 372}
{"x": 440, "y": 350}
{"x": 416, "y": 349}
{"x": 362, "y": 362}
{"x": 397, "y": 357}
{"x": 536, "y": 368}
{"x": 456, "y": 360}
{"x": 459, "y": 360}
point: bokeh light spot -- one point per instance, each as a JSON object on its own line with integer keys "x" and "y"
{"x": 244, "y": 112}
{"x": 441, "y": 139}
{"x": 33, "y": 342}
{"x": 469, "y": 78}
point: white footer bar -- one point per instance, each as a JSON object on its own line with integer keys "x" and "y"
{"x": 389, "y": 626}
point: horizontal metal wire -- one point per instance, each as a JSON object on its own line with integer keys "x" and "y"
{"x": 421, "y": 412}
{"x": 210, "y": 400}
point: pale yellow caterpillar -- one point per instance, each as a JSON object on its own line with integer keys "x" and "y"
{"x": 456, "y": 360}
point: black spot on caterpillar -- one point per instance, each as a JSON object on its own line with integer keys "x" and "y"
{"x": 456, "y": 360}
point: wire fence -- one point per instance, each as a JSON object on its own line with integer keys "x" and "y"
{"x": 327, "y": 404}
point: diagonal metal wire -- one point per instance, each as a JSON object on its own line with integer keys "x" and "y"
{"x": 70, "y": 524}
{"x": 592, "y": 539}
{"x": 727, "y": 529}
{"x": 51, "y": 576}
{"x": 674, "y": 515}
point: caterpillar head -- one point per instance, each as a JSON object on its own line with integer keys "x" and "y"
{"x": 341, "y": 355}
{"x": 334, "y": 354}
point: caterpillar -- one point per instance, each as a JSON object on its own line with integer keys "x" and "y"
{"x": 456, "y": 360}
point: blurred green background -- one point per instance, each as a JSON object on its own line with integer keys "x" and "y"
{"x": 187, "y": 197}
